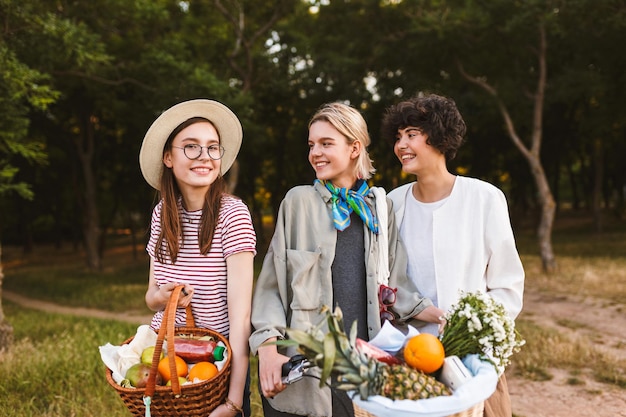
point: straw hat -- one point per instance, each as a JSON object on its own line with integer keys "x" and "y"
{"x": 227, "y": 125}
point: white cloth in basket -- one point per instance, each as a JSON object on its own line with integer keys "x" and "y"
{"x": 474, "y": 391}
{"x": 119, "y": 358}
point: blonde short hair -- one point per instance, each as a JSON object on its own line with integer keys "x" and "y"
{"x": 350, "y": 123}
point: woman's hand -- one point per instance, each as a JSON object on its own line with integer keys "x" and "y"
{"x": 165, "y": 292}
{"x": 432, "y": 314}
{"x": 158, "y": 296}
{"x": 270, "y": 370}
{"x": 187, "y": 295}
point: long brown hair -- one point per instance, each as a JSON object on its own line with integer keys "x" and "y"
{"x": 171, "y": 237}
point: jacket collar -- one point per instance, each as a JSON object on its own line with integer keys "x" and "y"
{"x": 326, "y": 195}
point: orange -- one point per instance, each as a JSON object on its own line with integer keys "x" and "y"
{"x": 424, "y": 352}
{"x": 164, "y": 368}
{"x": 202, "y": 371}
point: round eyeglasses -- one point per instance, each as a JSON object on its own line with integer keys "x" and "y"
{"x": 194, "y": 151}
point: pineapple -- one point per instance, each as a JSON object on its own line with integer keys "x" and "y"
{"x": 351, "y": 370}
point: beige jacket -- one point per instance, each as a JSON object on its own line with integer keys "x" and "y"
{"x": 296, "y": 281}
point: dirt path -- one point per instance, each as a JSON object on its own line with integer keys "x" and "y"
{"x": 586, "y": 319}
{"x": 74, "y": 311}
{"x": 583, "y": 318}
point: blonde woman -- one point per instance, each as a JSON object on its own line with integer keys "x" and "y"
{"x": 335, "y": 243}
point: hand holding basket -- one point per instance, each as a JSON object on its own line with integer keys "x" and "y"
{"x": 193, "y": 400}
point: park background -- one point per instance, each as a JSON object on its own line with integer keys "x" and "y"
{"x": 539, "y": 82}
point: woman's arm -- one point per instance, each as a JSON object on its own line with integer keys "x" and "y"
{"x": 158, "y": 296}
{"x": 240, "y": 268}
{"x": 504, "y": 273}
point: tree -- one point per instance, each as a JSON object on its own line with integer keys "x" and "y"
{"x": 525, "y": 32}
{"x": 531, "y": 153}
{"x": 22, "y": 90}
{"x": 463, "y": 34}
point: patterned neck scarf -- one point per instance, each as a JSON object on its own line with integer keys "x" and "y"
{"x": 345, "y": 201}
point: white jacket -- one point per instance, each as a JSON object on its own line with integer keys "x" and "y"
{"x": 474, "y": 247}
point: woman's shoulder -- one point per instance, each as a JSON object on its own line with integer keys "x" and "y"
{"x": 232, "y": 203}
{"x": 400, "y": 190}
{"x": 300, "y": 192}
{"x": 230, "y": 200}
{"x": 477, "y": 184}
{"x": 399, "y": 193}
{"x": 479, "y": 188}
{"x": 158, "y": 207}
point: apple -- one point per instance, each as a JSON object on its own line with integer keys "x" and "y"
{"x": 138, "y": 375}
{"x": 181, "y": 381}
{"x": 147, "y": 354}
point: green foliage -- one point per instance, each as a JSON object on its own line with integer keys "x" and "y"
{"x": 21, "y": 88}
{"x": 86, "y": 79}
{"x": 63, "y": 352}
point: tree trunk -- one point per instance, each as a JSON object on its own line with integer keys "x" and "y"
{"x": 574, "y": 186}
{"x": 598, "y": 169}
{"x": 6, "y": 330}
{"x": 91, "y": 229}
{"x": 532, "y": 154}
{"x": 546, "y": 222}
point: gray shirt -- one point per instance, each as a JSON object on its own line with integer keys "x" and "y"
{"x": 348, "y": 269}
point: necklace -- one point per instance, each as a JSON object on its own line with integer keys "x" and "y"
{"x": 190, "y": 217}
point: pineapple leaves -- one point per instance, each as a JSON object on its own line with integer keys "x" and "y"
{"x": 353, "y": 333}
{"x": 330, "y": 351}
{"x": 303, "y": 340}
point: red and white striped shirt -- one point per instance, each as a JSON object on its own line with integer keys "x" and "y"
{"x": 234, "y": 233}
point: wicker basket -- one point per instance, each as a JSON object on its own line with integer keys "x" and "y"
{"x": 194, "y": 400}
{"x": 474, "y": 411}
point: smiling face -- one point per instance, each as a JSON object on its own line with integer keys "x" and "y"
{"x": 194, "y": 175}
{"x": 331, "y": 156}
{"x": 415, "y": 154}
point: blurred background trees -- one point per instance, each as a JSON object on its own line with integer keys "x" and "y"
{"x": 540, "y": 84}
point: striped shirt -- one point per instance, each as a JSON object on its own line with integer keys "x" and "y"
{"x": 207, "y": 274}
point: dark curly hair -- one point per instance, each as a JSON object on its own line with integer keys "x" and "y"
{"x": 437, "y": 116}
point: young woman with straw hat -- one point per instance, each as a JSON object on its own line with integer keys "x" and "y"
{"x": 201, "y": 236}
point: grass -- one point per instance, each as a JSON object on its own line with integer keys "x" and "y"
{"x": 547, "y": 349}
{"x": 590, "y": 265}
{"x": 54, "y": 367}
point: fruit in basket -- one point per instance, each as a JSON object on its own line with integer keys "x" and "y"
{"x": 147, "y": 354}
{"x": 164, "y": 368}
{"x": 138, "y": 375}
{"x": 202, "y": 371}
{"x": 352, "y": 370}
{"x": 181, "y": 381}
{"x": 424, "y": 352}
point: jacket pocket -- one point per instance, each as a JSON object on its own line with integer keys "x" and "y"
{"x": 303, "y": 268}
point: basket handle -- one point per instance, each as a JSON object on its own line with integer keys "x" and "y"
{"x": 166, "y": 332}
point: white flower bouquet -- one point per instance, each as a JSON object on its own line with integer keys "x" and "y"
{"x": 478, "y": 324}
